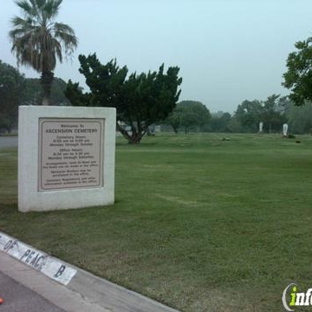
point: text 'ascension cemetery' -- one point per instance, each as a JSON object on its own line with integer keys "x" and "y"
{"x": 70, "y": 153}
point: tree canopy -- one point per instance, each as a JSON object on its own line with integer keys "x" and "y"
{"x": 299, "y": 117}
{"x": 219, "y": 122}
{"x": 17, "y": 90}
{"x": 298, "y": 78}
{"x": 33, "y": 95}
{"x": 250, "y": 113}
{"x": 189, "y": 115}
{"x": 12, "y": 84}
{"x": 38, "y": 41}
{"x": 140, "y": 99}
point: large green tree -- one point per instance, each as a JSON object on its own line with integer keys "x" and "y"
{"x": 298, "y": 78}
{"x": 249, "y": 114}
{"x": 140, "y": 99}
{"x": 33, "y": 92}
{"x": 38, "y": 41}
{"x": 272, "y": 115}
{"x": 12, "y": 84}
{"x": 220, "y": 122}
{"x": 299, "y": 117}
{"x": 189, "y": 115}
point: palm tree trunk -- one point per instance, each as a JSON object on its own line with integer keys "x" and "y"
{"x": 46, "y": 82}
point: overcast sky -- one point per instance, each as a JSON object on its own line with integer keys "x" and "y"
{"x": 227, "y": 50}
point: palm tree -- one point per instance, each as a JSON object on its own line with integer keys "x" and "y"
{"x": 38, "y": 41}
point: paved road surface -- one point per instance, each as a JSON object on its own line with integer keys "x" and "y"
{"x": 10, "y": 141}
{"x": 18, "y": 298}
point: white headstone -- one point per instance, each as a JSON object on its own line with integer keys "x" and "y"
{"x": 261, "y": 126}
{"x": 285, "y": 129}
{"x": 66, "y": 157}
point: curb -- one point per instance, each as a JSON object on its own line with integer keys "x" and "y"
{"x": 69, "y": 287}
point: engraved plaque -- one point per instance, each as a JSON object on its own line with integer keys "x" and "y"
{"x": 70, "y": 153}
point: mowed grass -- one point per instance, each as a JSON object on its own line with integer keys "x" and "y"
{"x": 199, "y": 223}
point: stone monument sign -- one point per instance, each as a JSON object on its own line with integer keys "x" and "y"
{"x": 66, "y": 157}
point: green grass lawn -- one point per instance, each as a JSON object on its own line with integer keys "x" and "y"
{"x": 199, "y": 223}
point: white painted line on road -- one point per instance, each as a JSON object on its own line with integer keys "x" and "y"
{"x": 40, "y": 261}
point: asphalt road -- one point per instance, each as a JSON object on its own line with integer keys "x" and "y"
{"x": 18, "y": 298}
{"x": 8, "y": 141}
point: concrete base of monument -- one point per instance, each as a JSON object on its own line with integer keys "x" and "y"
{"x": 66, "y": 157}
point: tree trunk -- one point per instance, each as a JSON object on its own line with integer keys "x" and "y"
{"x": 133, "y": 138}
{"x": 123, "y": 132}
{"x": 136, "y": 138}
{"x": 175, "y": 129}
{"x": 46, "y": 82}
